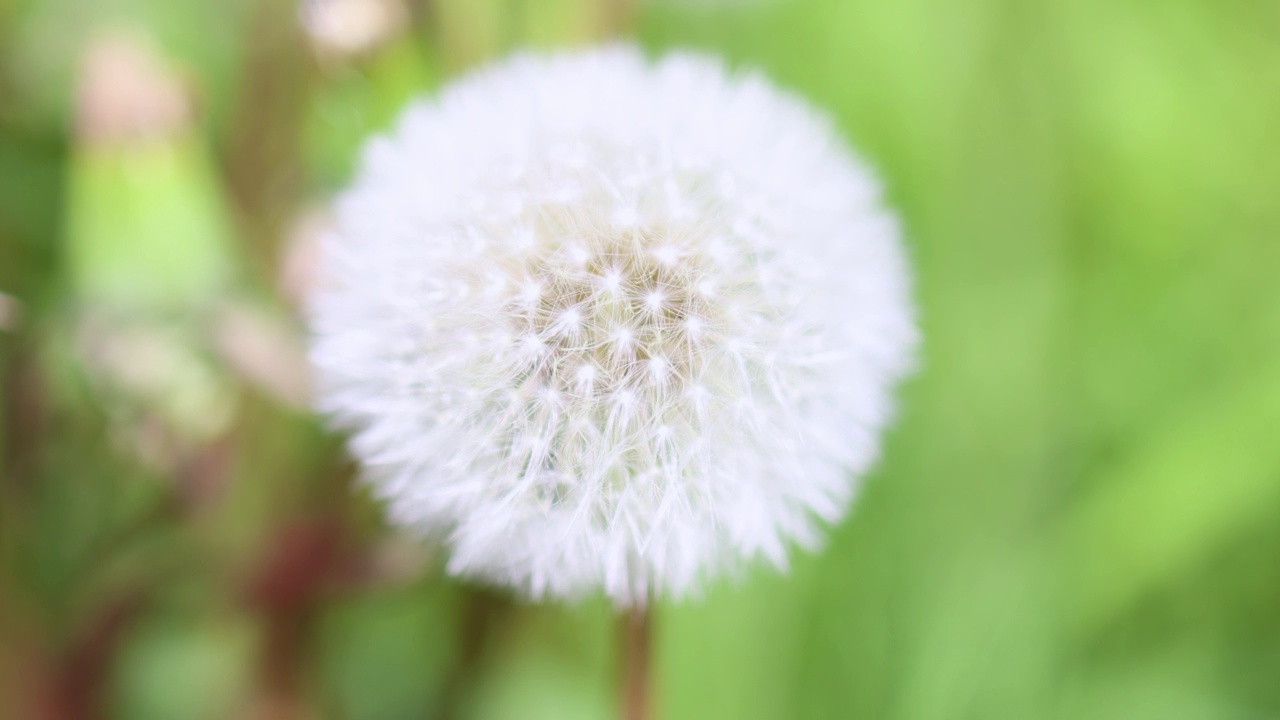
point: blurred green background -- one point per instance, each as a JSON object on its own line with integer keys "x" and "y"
{"x": 1076, "y": 515}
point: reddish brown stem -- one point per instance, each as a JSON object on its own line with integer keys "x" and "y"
{"x": 621, "y": 15}
{"x": 635, "y": 635}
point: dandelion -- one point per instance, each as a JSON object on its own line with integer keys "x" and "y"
{"x": 610, "y": 325}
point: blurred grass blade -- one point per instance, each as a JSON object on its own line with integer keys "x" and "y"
{"x": 1211, "y": 471}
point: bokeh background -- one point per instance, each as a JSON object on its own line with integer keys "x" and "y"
{"x": 1077, "y": 515}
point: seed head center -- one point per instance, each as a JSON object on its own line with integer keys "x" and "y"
{"x": 622, "y": 313}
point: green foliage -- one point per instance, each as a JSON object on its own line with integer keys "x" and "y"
{"x": 1075, "y": 515}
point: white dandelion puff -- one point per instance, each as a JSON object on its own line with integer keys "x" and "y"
{"x": 606, "y": 324}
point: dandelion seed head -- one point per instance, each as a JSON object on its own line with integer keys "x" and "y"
{"x": 606, "y": 324}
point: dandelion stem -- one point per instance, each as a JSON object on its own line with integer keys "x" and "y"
{"x": 635, "y": 636}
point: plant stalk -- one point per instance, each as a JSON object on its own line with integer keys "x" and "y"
{"x": 635, "y": 635}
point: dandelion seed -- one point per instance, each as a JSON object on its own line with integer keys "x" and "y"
{"x": 654, "y": 301}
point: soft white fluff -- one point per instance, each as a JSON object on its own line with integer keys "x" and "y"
{"x": 610, "y": 324}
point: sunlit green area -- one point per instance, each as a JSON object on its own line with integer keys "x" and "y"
{"x": 1076, "y": 515}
